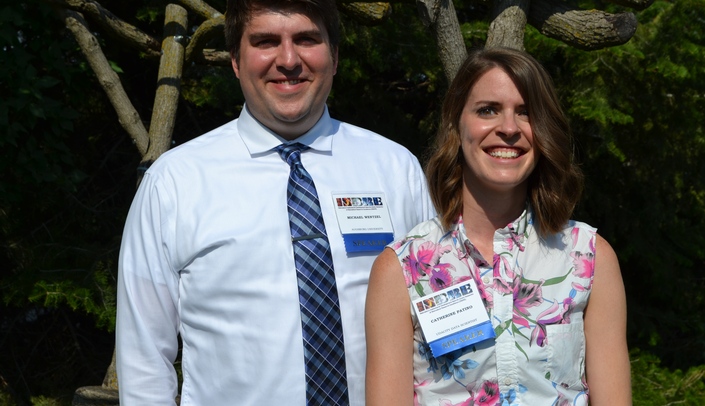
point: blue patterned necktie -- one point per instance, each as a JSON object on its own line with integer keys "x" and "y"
{"x": 324, "y": 355}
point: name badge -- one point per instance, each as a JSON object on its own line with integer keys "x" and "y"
{"x": 364, "y": 221}
{"x": 453, "y": 318}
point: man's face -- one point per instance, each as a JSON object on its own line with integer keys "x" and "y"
{"x": 286, "y": 70}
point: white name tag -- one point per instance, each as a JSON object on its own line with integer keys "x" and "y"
{"x": 453, "y": 318}
{"x": 364, "y": 221}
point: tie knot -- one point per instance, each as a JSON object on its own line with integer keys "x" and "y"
{"x": 291, "y": 153}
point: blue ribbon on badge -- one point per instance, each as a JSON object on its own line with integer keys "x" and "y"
{"x": 367, "y": 242}
{"x": 461, "y": 339}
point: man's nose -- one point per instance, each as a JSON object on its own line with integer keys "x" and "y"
{"x": 288, "y": 56}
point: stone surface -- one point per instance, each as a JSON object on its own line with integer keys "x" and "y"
{"x": 95, "y": 396}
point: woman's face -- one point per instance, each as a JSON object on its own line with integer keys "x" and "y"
{"x": 496, "y": 137}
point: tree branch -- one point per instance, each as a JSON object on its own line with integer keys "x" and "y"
{"x": 166, "y": 100}
{"x": 202, "y": 8}
{"x": 367, "y": 13}
{"x": 108, "y": 79}
{"x": 508, "y": 23}
{"x": 213, "y": 57}
{"x": 583, "y": 29}
{"x": 115, "y": 27}
{"x": 440, "y": 16}
{"x": 208, "y": 30}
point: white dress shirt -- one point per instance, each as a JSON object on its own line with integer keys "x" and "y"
{"x": 207, "y": 254}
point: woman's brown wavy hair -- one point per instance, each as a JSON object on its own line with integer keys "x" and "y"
{"x": 555, "y": 184}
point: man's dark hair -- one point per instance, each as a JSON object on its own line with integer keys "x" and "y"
{"x": 239, "y": 13}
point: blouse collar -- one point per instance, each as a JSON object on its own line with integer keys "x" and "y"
{"x": 516, "y": 231}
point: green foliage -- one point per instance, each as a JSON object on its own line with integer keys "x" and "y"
{"x": 34, "y": 119}
{"x": 389, "y": 78}
{"x": 45, "y": 401}
{"x": 215, "y": 88}
{"x": 637, "y": 112}
{"x": 53, "y": 220}
{"x": 653, "y": 385}
{"x": 97, "y": 298}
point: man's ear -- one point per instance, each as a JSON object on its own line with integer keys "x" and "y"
{"x": 236, "y": 65}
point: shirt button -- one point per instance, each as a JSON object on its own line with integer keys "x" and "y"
{"x": 507, "y": 381}
{"x": 486, "y": 280}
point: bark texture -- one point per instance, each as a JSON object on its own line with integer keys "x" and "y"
{"x": 113, "y": 26}
{"x": 108, "y": 79}
{"x": 367, "y": 13}
{"x": 166, "y": 100}
{"x": 583, "y": 29}
{"x": 441, "y": 18}
{"x": 508, "y": 22}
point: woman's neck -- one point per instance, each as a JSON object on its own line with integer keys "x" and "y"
{"x": 486, "y": 211}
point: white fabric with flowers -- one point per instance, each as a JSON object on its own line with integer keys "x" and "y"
{"x": 535, "y": 291}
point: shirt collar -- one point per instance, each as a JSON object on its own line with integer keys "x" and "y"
{"x": 516, "y": 231}
{"x": 260, "y": 140}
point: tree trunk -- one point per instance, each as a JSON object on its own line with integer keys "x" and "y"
{"x": 441, "y": 18}
{"x": 151, "y": 145}
{"x": 508, "y": 24}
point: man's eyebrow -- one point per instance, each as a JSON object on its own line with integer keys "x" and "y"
{"x": 309, "y": 33}
{"x": 267, "y": 34}
{"x": 261, "y": 35}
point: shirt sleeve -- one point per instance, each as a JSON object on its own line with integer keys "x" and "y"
{"x": 147, "y": 317}
{"x": 422, "y": 199}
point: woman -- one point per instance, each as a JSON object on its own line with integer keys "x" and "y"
{"x": 549, "y": 321}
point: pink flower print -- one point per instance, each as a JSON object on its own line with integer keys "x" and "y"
{"x": 488, "y": 394}
{"x": 416, "y": 385}
{"x": 420, "y": 261}
{"x": 501, "y": 267}
{"x": 575, "y": 233}
{"x": 501, "y": 286}
{"x": 445, "y": 402}
{"x": 526, "y": 295}
{"x": 514, "y": 238}
{"x": 562, "y": 400}
{"x": 496, "y": 262}
{"x": 509, "y": 243}
{"x": 429, "y": 253}
{"x": 440, "y": 277}
{"x": 538, "y": 335}
{"x": 410, "y": 269}
{"x": 475, "y": 272}
{"x": 562, "y": 317}
{"x": 397, "y": 244}
{"x": 584, "y": 264}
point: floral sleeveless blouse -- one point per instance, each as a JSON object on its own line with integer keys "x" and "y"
{"x": 535, "y": 291}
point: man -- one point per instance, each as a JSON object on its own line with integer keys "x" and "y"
{"x": 211, "y": 251}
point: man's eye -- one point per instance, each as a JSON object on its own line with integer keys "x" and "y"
{"x": 307, "y": 41}
{"x": 264, "y": 43}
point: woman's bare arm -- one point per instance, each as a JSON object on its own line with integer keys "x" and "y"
{"x": 390, "y": 335}
{"x": 607, "y": 356}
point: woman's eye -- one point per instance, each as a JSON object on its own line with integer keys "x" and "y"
{"x": 485, "y": 111}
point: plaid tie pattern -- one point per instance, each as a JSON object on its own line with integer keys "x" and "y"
{"x": 326, "y": 382}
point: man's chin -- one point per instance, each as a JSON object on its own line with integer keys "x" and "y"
{"x": 291, "y": 126}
